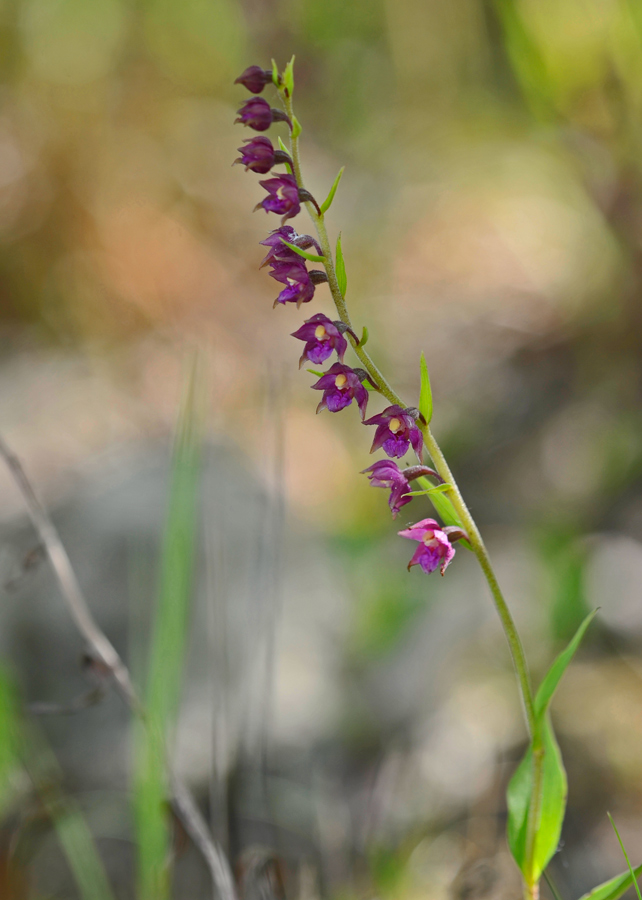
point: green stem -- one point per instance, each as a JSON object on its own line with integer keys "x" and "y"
{"x": 438, "y": 458}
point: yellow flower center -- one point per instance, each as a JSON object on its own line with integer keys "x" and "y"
{"x": 319, "y": 332}
{"x": 395, "y": 425}
{"x": 340, "y": 380}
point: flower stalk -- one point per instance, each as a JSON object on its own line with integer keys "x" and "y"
{"x": 434, "y": 451}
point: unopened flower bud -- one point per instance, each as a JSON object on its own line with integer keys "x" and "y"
{"x": 254, "y": 79}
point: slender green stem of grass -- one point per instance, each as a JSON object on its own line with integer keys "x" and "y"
{"x": 438, "y": 458}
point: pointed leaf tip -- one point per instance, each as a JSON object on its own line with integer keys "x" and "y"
{"x": 614, "y": 888}
{"x": 311, "y": 257}
{"x": 327, "y": 203}
{"x": 554, "y": 675}
{"x": 425, "y": 393}
{"x": 288, "y": 77}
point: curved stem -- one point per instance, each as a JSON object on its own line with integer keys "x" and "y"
{"x": 438, "y": 458}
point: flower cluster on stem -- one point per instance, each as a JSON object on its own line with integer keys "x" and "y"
{"x": 399, "y": 427}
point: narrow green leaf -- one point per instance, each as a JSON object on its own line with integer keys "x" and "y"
{"x": 275, "y": 74}
{"x": 296, "y": 127}
{"x": 288, "y": 77}
{"x": 167, "y": 651}
{"x": 327, "y": 203}
{"x": 626, "y": 856}
{"x": 285, "y": 149}
{"x": 614, "y": 887}
{"x": 364, "y": 337}
{"x": 425, "y": 394}
{"x": 310, "y": 256}
{"x": 342, "y": 278}
{"x": 314, "y": 372}
{"x": 444, "y": 508}
{"x": 549, "y": 684}
{"x": 79, "y": 848}
{"x": 437, "y": 489}
{"x": 552, "y": 806}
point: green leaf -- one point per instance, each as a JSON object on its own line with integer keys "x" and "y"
{"x": 310, "y": 256}
{"x": 296, "y": 128}
{"x": 288, "y": 77}
{"x": 315, "y": 372}
{"x": 444, "y": 508}
{"x": 285, "y": 149}
{"x": 168, "y": 646}
{"x": 552, "y": 806}
{"x": 327, "y": 203}
{"x": 364, "y": 337}
{"x": 549, "y": 684}
{"x": 275, "y": 74}
{"x": 614, "y": 887}
{"x": 626, "y": 856}
{"x": 437, "y": 489}
{"x": 425, "y": 394}
{"x": 342, "y": 278}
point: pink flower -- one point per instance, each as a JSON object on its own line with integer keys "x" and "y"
{"x": 435, "y": 549}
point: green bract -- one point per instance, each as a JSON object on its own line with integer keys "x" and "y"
{"x": 288, "y": 77}
{"x": 312, "y": 257}
{"x": 425, "y": 394}
{"x": 327, "y": 203}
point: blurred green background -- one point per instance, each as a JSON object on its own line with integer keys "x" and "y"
{"x": 358, "y": 721}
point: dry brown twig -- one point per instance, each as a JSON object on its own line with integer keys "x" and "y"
{"x": 100, "y": 646}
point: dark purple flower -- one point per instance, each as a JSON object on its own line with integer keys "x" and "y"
{"x": 341, "y": 385}
{"x": 283, "y": 196}
{"x": 322, "y": 336}
{"x": 254, "y": 79}
{"x": 278, "y": 250}
{"x": 396, "y": 431}
{"x": 257, "y": 113}
{"x": 299, "y": 286}
{"x": 435, "y": 549}
{"x": 260, "y": 155}
{"x": 386, "y": 474}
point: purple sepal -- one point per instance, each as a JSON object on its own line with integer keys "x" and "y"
{"x": 386, "y": 474}
{"x": 257, "y": 156}
{"x": 278, "y": 250}
{"x": 396, "y": 432}
{"x": 299, "y": 287}
{"x": 341, "y": 385}
{"x": 256, "y": 113}
{"x": 254, "y": 79}
{"x": 322, "y": 337}
{"x": 283, "y": 196}
{"x": 434, "y": 550}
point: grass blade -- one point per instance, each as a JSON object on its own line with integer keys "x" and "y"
{"x": 167, "y": 653}
{"x": 626, "y": 857}
{"x": 614, "y": 887}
